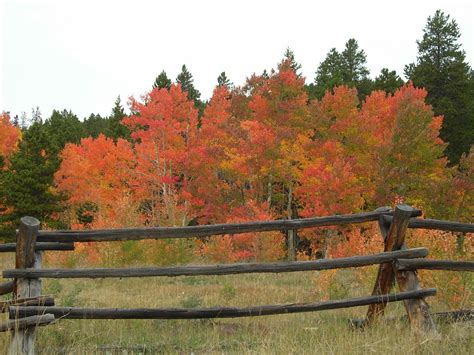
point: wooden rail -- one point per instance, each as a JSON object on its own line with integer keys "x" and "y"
{"x": 217, "y": 312}
{"x": 7, "y": 287}
{"x": 209, "y": 230}
{"x": 222, "y": 269}
{"x": 436, "y": 224}
{"x": 397, "y": 263}
{"x": 26, "y": 323}
{"x": 449, "y": 265}
{"x": 11, "y": 247}
{"x": 32, "y": 301}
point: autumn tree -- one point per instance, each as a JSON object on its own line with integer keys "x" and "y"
{"x": 9, "y": 137}
{"x": 165, "y": 128}
{"x": 96, "y": 175}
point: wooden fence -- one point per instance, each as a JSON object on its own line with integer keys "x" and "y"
{"x": 29, "y": 309}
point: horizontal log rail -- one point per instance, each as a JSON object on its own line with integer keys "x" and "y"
{"x": 28, "y": 322}
{"x": 217, "y": 312}
{"x": 11, "y": 247}
{"x": 101, "y": 235}
{"x": 7, "y": 287}
{"x": 222, "y": 269}
{"x": 417, "y": 223}
{"x": 32, "y": 301}
{"x": 449, "y": 265}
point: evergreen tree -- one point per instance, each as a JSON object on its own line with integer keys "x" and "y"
{"x": 185, "y": 79}
{"x": 346, "y": 68}
{"x": 354, "y": 63}
{"x": 223, "y": 80}
{"x": 441, "y": 69}
{"x": 116, "y": 128}
{"x": 61, "y": 128}
{"x": 162, "y": 81}
{"x": 290, "y": 56}
{"x": 26, "y": 187}
{"x": 388, "y": 81}
{"x": 94, "y": 125}
{"x": 328, "y": 75}
{"x": 27, "y": 184}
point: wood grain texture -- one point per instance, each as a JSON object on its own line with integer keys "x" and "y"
{"x": 11, "y": 247}
{"x": 218, "y": 312}
{"x": 7, "y": 287}
{"x": 430, "y": 264}
{"x": 27, "y": 322}
{"x": 33, "y": 301}
{"x": 208, "y": 230}
{"x": 23, "y": 342}
{"x": 222, "y": 269}
{"x": 436, "y": 224}
{"x": 394, "y": 241}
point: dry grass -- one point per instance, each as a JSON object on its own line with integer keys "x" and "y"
{"x": 320, "y": 332}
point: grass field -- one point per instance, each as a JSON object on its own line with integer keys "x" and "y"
{"x": 321, "y": 332}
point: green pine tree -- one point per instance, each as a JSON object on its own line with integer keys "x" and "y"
{"x": 441, "y": 69}
{"x": 26, "y": 186}
{"x": 346, "y": 68}
{"x": 388, "y": 81}
{"x": 185, "y": 79}
{"x": 290, "y": 57}
{"x": 162, "y": 81}
{"x": 223, "y": 80}
{"x": 328, "y": 75}
{"x": 94, "y": 125}
{"x": 116, "y": 128}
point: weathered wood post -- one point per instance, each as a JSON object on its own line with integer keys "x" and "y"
{"x": 23, "y": 341}
{"x": 394, "y": 239}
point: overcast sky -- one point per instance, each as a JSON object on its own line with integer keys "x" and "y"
{"x": 80, "y": 55}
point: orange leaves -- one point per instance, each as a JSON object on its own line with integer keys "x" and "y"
{"x": 328, "y": 183}
{"x": 96, "y": 170}
{"x": 9, "y": 136}
{"x": 248, "y": 246}
{"x": 258, "y": 153}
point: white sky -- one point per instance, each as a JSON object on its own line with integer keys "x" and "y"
{"x": 80, "y": 55}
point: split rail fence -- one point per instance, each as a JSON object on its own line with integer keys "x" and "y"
{"x": 29, "y": 309}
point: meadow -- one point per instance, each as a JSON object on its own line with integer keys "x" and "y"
{"x": 320, "y": 332}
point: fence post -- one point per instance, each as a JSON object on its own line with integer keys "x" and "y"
{"x": 394, "y": 239}
{"x": 23, "y": 341}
